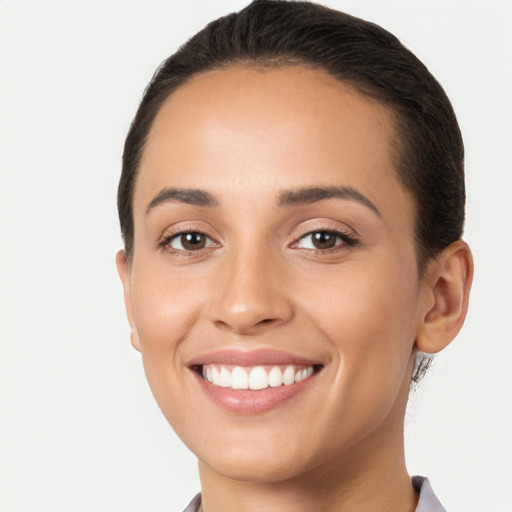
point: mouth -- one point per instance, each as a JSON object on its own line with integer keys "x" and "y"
{"x": 253, "y": 382}
{"x": 255, "y": 377}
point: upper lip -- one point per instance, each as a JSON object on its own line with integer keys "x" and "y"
{"x": 251, "y": 358}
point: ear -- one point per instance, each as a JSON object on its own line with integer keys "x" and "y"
{"x": 446, "y": 296}
{"x": 123, "y": 268}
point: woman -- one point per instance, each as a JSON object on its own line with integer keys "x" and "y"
{"x": 292, "y": 204}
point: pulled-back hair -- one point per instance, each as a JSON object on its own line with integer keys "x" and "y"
{"x": 428, "y": 148}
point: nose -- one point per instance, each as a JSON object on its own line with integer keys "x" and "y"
{"x": 251, "y": 295}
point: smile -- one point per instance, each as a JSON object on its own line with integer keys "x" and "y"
{"x": 256, "y": 377}
{"x": 256, "y": 381}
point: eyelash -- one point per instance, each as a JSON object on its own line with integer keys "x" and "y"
{"x": 348, "y": 240}
{"x": 165, "y": 242}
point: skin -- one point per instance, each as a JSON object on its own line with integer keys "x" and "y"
{"x": 362, "y": 310}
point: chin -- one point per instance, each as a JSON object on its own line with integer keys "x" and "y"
{"x": 252, "y": 456}
{"x": 257, "y": 469}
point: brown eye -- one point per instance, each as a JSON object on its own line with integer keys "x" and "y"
{"x": 191, "y": 241}
{"x": 325, "y": 240}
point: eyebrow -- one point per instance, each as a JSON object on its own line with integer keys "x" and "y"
{"x": 287, "y": 198}
{"x": 308, "y": 195}
{"x": 183, "y": 195}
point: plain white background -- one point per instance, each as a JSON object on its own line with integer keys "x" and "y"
{"x": 79, "y": 428}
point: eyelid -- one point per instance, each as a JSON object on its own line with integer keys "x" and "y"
{"x": 182, "y": 229}
{"x": 346, "y": 241}
{"x": 313, "y": 226}
{"x": 349, "y": 236}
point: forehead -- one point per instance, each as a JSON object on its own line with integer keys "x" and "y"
{"x": 294, "y": 126}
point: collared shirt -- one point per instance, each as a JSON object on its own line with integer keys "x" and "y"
{"x": 428, "y": 501}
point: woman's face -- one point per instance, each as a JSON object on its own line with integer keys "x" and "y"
{"x": 273, "y": 238}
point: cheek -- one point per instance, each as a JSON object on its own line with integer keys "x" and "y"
{"x": 164, "y": 307}
{"x": 165, "y": 311}
{"x": 368, "y": 313}
{"x": 373, "y": 300}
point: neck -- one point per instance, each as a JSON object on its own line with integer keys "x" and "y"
{"x": 373, "y": 478}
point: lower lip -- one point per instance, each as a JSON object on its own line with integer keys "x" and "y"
{"x": 246, "y": 401}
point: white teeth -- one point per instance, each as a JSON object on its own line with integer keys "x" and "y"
{"x": 256, "y": 378}
{"x": 225, "y": 378}
{"x": 275, "y": 377}
{"x": 239, "y": 378}
{"x": 215, "y": 376}
{"x": 289, "y": 376}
